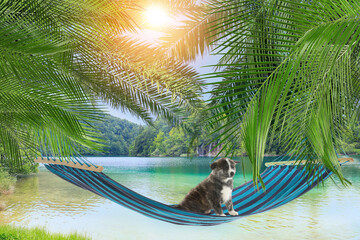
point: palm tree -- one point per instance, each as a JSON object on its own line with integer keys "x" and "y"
{"x": 290, "y": 74}
{"x": 59, "y": 58}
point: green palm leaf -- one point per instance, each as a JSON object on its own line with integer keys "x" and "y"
{"x": 288, "y": 72}
{"x": 58, "y": 58}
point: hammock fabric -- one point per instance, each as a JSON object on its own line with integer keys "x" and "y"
{"x": 283, "y": 184}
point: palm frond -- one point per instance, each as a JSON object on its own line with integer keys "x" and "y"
{"x": 287, "y": 68}
{"x": 58, "y": 56}
{"x": 191, "y": 36}
{"x": 137, "y": 76}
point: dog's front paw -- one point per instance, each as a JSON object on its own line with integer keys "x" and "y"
{"x": 221, "y": 215}
{"x": 233, "y": 213}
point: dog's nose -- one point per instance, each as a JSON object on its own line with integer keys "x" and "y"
{"x": 232, "y": 174}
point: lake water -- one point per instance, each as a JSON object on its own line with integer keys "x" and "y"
{"x": 327, "y": 212}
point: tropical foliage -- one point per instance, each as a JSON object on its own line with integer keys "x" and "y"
{"x": 288, "y": 73}
{"x": 59, "y": 57}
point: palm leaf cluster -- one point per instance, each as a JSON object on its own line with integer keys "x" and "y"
{"x": 191, "y": 37}
{"x": 289, "y": 73}
{"x": 59, "y": 58}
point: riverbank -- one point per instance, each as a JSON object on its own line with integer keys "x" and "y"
{"x": 18, "y": 233}
{"x": 7, "y": 183}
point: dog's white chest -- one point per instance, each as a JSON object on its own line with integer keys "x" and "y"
{"x": 226, "y": 193}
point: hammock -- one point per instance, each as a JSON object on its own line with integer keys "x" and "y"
{"x": 284, "y": 182}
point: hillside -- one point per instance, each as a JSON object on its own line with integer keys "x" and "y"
{"x": 118, "y": 135}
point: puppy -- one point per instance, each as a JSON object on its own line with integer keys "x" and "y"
{"x": 215, "y": 190}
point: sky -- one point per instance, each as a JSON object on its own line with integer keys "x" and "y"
{"x": 199, "y": 64}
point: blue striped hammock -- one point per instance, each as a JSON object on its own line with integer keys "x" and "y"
{"x": 283, "y": 184}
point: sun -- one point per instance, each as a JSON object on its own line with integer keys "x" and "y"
{"x": 156, "y": 16}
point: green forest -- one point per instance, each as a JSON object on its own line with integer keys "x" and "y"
{"x": 118, "y": 134}
{"x": 124, "y": 138}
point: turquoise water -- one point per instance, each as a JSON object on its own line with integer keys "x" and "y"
{"x": 327, "y": 212}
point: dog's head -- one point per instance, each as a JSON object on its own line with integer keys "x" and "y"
{"x": 224, "y": 168}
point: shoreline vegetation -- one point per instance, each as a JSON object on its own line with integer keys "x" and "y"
{"x": 7, "y": 186}
{"x": 7, "y": 183}
{"x": 124, "y": 138}
{"x": 21, "y": 233}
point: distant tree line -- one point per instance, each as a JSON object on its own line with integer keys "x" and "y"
{"x": 124, "y": 138}
{"x": 351, "y": 143}
{"x": 161, "y": 140}
{"x": 165, "y": 140}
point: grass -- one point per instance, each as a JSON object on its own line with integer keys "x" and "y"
{"x": 19, "y": 233}
{"x": 7, "y": 182}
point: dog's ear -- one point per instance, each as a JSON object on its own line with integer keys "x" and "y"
{"x": 213, "y": 165}
{"x": 237, "y": 162}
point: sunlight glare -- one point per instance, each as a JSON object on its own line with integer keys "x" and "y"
{"x": 156, "y": 16}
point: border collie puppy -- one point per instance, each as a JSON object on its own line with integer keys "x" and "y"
{"x": 215, "y": 190}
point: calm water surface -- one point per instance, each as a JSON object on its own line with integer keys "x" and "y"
{"x": 327, "y": 212}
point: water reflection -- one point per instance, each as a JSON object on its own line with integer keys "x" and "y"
{"x": 327, "y": 212}
{"x": 43, "y": 195}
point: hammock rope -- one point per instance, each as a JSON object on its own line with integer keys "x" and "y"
{"x": 284, "y": 182}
